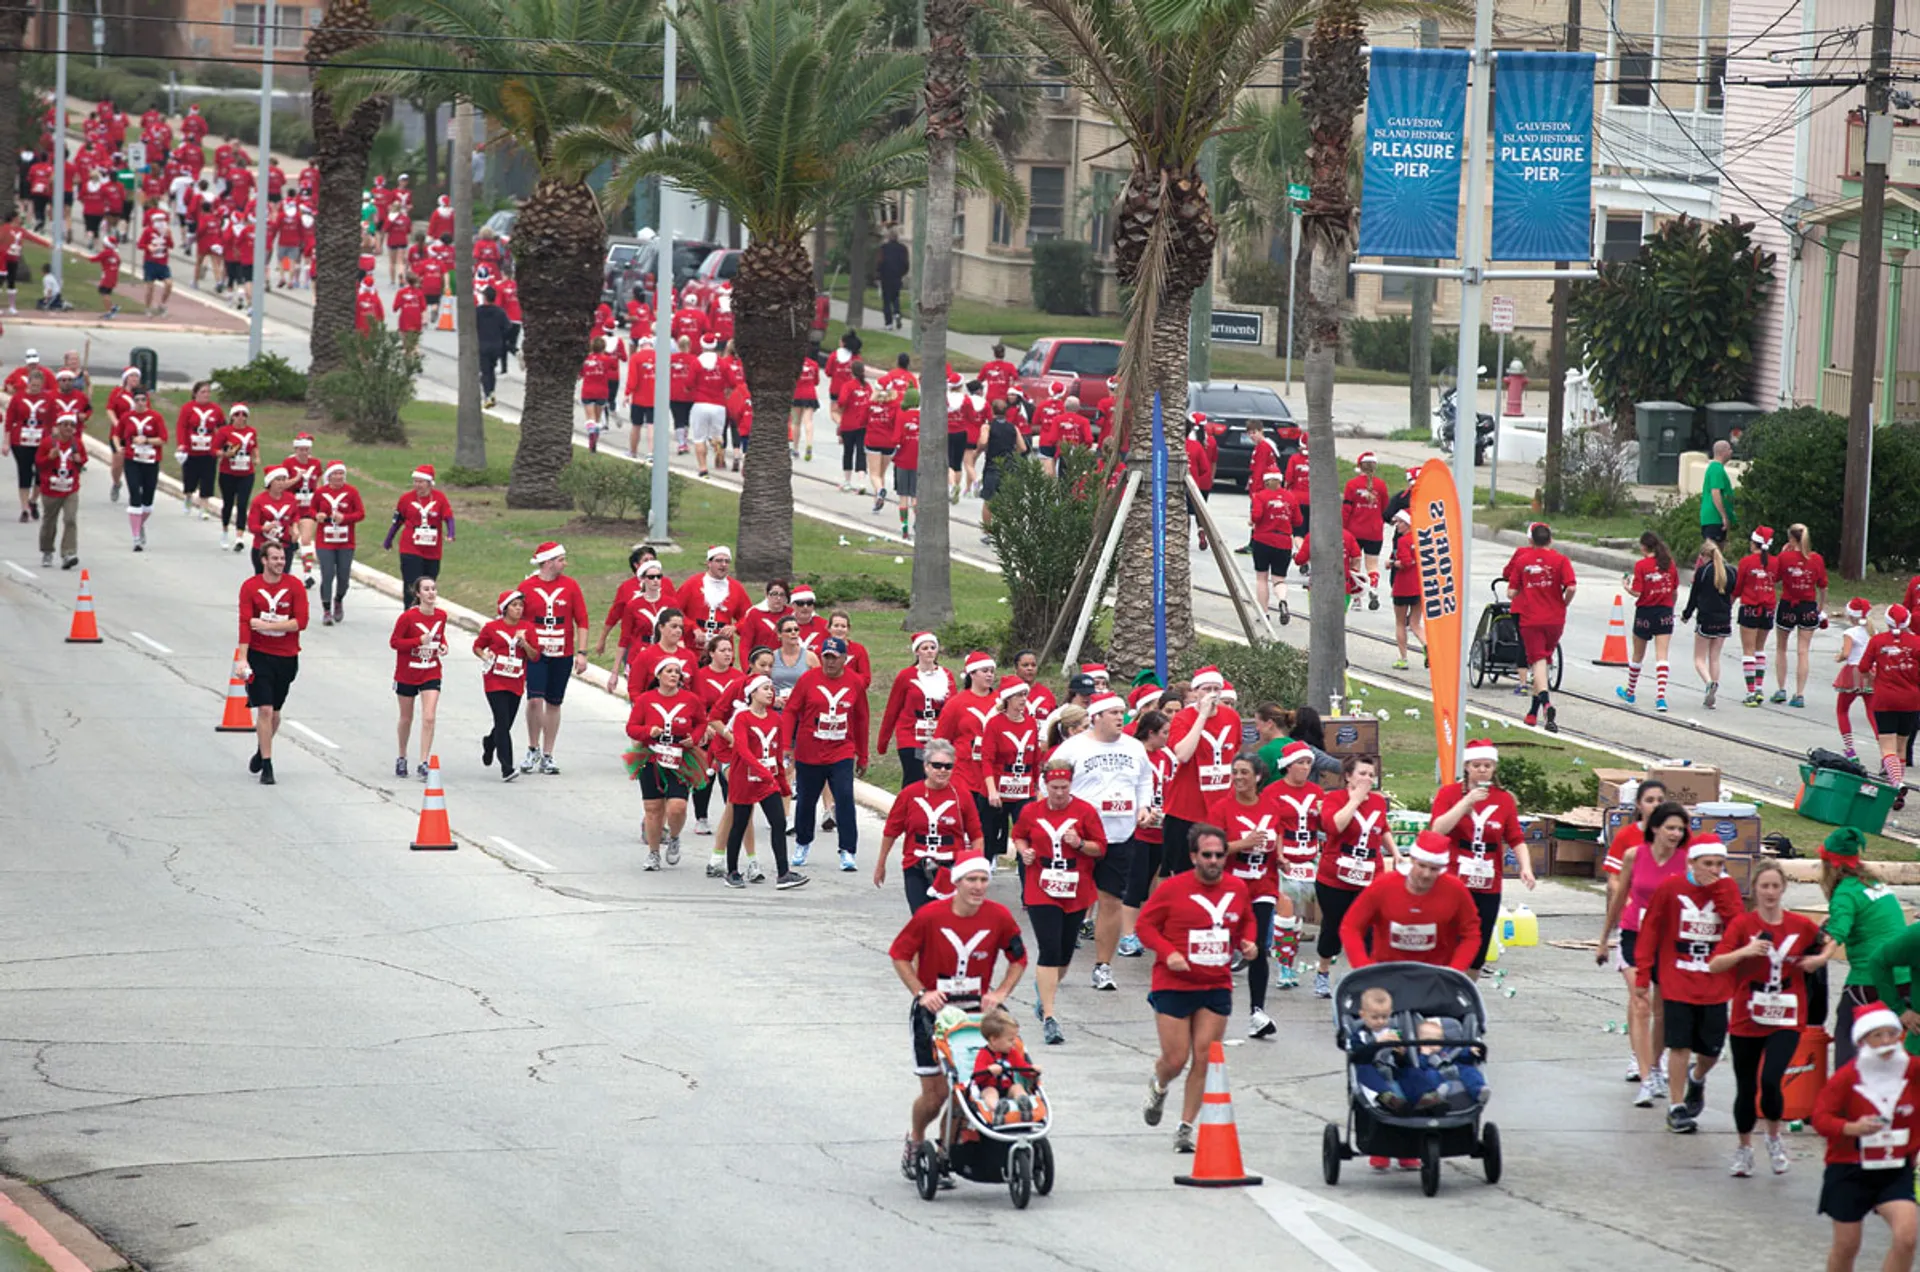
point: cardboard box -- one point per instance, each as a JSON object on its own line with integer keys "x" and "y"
{"x": 1741, "y": 835}
{"x": 1538, "y": 832}
{"x": 1577, "y": 858}
{"x": 1352, "y": 735}
{"x": 1615, "y": 818}
{"x": 1688, "y": 784}
{"x": 1615, "y": 783}
{"x": 1334, "y": 779}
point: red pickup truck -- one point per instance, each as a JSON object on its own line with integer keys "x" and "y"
{"x": 1084, "y": 366}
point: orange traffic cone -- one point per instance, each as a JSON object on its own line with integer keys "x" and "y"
{"x": 434, "y": 834}
{"x": 446, "y": 315}
{"x": 1613, "y": 652}
{"x": 84, "y": 630}
{"x": 238, "y": 717}
{"x": 1216, "y": 1157}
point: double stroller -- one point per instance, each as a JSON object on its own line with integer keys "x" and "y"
{"x": 1420, "y": 992}
{"x": 971, "y": 1143}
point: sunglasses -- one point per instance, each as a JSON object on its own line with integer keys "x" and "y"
{"x": 935, "y": 764}
{"x": 1211, "y": 856}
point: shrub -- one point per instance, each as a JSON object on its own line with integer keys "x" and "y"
{"x": 373, "y": 384}
{"x": 1062, "y": 276}
{"x": 1797, "y": 472}
{"x": 1594, "y": 473}
{"x": 1382, "y": 344}
{"x": 268, "y": 378}
{"x": 491, "y": 475}
{"x": 611, "y": 489}
{"x": 293, "y": 135}
{"x": 134, "y": 94}
{"x": 1678, "y": 522}
{"x": 1272, "y": 672}
{"x": 847, "y": 589}
{"x": 1041, "y": 529}
{"x": 1527, "y": 782}
{"x": 232, "y": 117}
{"x": 960, "y": 636}
{"x": 224, "y": 75}
{"x": 1258, "y": 282}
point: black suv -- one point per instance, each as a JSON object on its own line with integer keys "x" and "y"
{"x": 1228, "y": 406}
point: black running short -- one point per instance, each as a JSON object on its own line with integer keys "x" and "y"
{"x": 1756, "y": 618}
{"x": 1804, "y": 615}
{"x": 273, "y": 675}
{"x": 1652, "y": 620}
{"x": 1699, "y": 1027}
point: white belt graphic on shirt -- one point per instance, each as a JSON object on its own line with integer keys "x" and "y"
{"x": 1699, "y": 932}
{"x": 1218, "y": 775}
{"x": 1300, "y": 849}
{"x": 553, "y": 639}
{"x": 1016, "y": 782}
{"x": 935, "y": 841}
{"x": 426, "y": 651}
{"x": 509, "y": 666}
{"x": 961, "y": 985}
{"x": 1057, "y": 878}
{"x": 1480, "y": 820}
{"x": 1770, "y": 1004}
{"x": 664, "y": 748}
{"x": 1208, "y": 946}
{"x": 765, "y": 739}
{"x": 831, "y": 725}
{"x": 980, "y": 729}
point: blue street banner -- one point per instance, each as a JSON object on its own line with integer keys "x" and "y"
{"x": 1416, "y": 119}
{"x": 1543, "y": 157}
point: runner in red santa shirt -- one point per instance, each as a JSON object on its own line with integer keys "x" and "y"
{"x": 557, "y": 608}
{"x": 1251, "y": 818}
{"x": 757, "y": 777}
{"x": 1423, "y": 916}
{"x": 368, "y": 311}
{"x": 946, "y": 954}
{"x": 506, "y": 645}
{"x": 639, "y": 398}
{"x": 419, "y": 641}
{"x": 1275, "y": 517}
{"x": 1151, "y": 729}
{"x": 198, "y": 423}
{"x": 440, "y": 220}
{"x": 119, "y": 402}
{"x": 935, "y": 819}
{"x": 1483, "y": 822}
{"x": 1193, "y": 923}
{"x": 338, "y": 508}
{"x": 238, "y": 445}
{"x": 1352, "y": 562}
{"x": 599, "y": 385}
{"x": 963, "y": 722}
{"x": 273, "y": 613}
{"x": 1802, "y": 573}
{"x": 1353, "y": 818}
{"x": 1363, "y": 511}
{"x": 1059, "y": 839}
{"x": 1753, "y": 588}
{"x": 70, "y": 397}
{"x": 1540, "y": 583}
{"x": 1869, "y": 1112}
{"x": 665, "y": 721}
{"x": 1684, "y": 923}
{"x": 1203, "y": 456}
{"x": 306, "y": 472}
{"x": 826, "y": 721}
{"x": 1206, "y": 738}
{"x": 998, "y": 375}
{"x": 270, "y": 516}
{"x": 840, "y": 623}
{"x": 28, "y": 422}
{"x": 1403, "y": 580}
{"x": 423, "y": 523}
{"x": 713, "y": 600}
{"x": 1009, "y": 762}
{"x": 1890, "y": 671}
{"x": 806, "y": 614}
{"x": 410, "y": 311}
{"x": 58, "y": 463}
{"x": 140, "y": 438}
{"x": 906, "y": 467}
{"x": 1654, "y": 583}
{"x": 920, "y": 690}
{"x": 635, "y": 613}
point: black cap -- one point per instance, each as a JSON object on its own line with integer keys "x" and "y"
{"x": 1081, "y": 685}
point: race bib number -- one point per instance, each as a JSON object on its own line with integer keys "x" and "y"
{"x": 241, "y": 463}
{"x": 1355, "y": 871}
{"x": 425, "y": 536}
{"x": 1215, "y": 777}
{"x": 1413, "y": 937}
{"x": 553, "y": 644}
{"x": 1777, "y": 1011}
{"x": 1012, "y": 787}
{"x": 666, "y": 754}
{"x": 958, "y": 986}
{"x": 144, "y": 453}
{"x": 334, "y": 534}
{"x": 1884, "y": 1149}
{"x": 1700, "y": 927}
{"x": 509, "y": 666}
{"x": 831, "y": 726}
{"x": 1301, "y": 869}
{"x": 1476, "y": 872}
{"x": 1060, "y": 884}
{"x": 923, "y": 728}
{"x": 30, "y": 434}
{"x": 60, "y": 483}
{"x": 1116, "y": 806}
{"x": 976, "y": 750}
{"x": 1207, "y": 947}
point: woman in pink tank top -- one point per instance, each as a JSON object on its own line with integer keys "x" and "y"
{"x": 1643, "y": 868}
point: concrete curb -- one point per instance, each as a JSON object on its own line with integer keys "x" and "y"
{"x": 1584, "y": 553}
{"x": 30, "y": 1216}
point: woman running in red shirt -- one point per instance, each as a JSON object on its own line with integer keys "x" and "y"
{"x": 1754, "y": 591}
{"x": 912, "y": 712}
{"x": 419, "y": 641}
{"x": 506, "y": 646}
{"x": 1483, "y": 821}
{"x": 759, "y": 777}
{"x": 665, "y": 721}
{"x": 1890, "y": 671}
{"x": 1403, "y": 581}
{"x": 1802, "y": 609}
{"x": 1009, "y": 763}
{"x": 717, "y": 680}
{"x": 339, "y": 509}
{"x": 1251, "y": 818}
{"x": 1275, "y": 517}
{"x": 1654, "y": 583}
{"x": 1540, "y": 584}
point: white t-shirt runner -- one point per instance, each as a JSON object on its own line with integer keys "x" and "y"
{"x": 1115, "y": 777}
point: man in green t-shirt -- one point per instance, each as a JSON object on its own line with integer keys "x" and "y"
{"x": 1716, "y": 496}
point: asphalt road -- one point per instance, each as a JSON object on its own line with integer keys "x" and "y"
{"x": 246, "y": 1028}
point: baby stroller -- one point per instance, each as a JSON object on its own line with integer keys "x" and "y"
{"x": 1496, "y": 650}
{"x": 1419, "y": 991}
{"x": 969, "y": 1144}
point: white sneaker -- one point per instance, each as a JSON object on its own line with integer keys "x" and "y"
{"x": 1633, "y": 1068}
{"x": 673, "y": 851}
{"x": 1660, "y": 1082}
{"x": 754, "y": 873}
{"x": 1777, "y": 1155}
{"x": 1644, "y": 1098}
{"x": 1742, "y": 1165}
{"x": 700, "y": 826}
{"x": 1260, "y": 1025}
{"x": 1103, "y": 977}
{"x": 226, "y": 541}
{"x": 653, "y": 861}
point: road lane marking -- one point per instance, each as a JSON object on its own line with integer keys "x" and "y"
{"x": 21, "y": 570}
{"x": 295, "y": 724}
{"x": 518, "y": 851}
{"x": 1293, "y": 1210}
{"x": 150, "y": 642}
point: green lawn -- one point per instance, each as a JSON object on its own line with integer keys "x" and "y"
{"x": 881, "y": 349}
{"x": 15, "y": 1257}
{"x": 79, "y": 279}
{"x": 1625, "y": 525}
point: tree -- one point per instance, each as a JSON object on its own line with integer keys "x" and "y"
{"x": 533, "y": 70}
{"x": 1678, "y": 321}
{"x": 14, "y": 102}
{"x": 1333, "y": 88}
{"x": 341, "y": 145}
{"x": 1263, "y": 151}
{"x": 789, "y": 92}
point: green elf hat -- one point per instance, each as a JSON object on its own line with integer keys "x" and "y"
{"x": 1843, "y": 848}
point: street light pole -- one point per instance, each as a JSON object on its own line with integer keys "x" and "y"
{"x": 257, "y": 302}
{"x": 57, "y": 234}
{"x": 657, "y": 528}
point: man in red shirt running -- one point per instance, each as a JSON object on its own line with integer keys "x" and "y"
{"x": 1423, "y": 916}
{"x": 273, "y": 613}
{"x": 945, "y": 956}
{"x": 556, "y": 607}
{"x": 1540, "y": 582}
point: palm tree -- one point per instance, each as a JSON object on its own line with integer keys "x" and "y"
{"x": 342, "y": 139}
{"x": 533, "y": 69}
{"x": 1334, "y": 88}
{"x": 791, "y": 93}
{"x": 1263, "y": 151}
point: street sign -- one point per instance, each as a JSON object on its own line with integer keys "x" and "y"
{"x": 1502, "y": 315}
{"x": 137, "y": 156}
{"x": 1298, "y": 193}
{"x": 1231, "y": 326}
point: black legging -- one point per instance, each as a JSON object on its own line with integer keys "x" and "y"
{"x": 999, "y": 823}
{"x": 236, "y": 489}
{"x": 1759, "y": 1067}
{"x": 142, "y": 481}
{"x": 703, "y": 798}
{"x": 776, "y": 810}
{"x": 1261, "y": 964}
{"x": 853, "y": 451}
{"x": 1488, "y": 904}
{"x": 1333, "y": 911}
{"x": 913, "y": 765}
{"x": 506, "y": 708}
{"x": 413, "y": 568}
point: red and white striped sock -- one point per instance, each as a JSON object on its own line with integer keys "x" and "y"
{"x": 1746, "y": 670}
{"x": 1633, "y": 677}
{"x": 1895, "y": 768}
{"x": 1660, "y": 680}
{"x": 1843, "y": 716}
{"x": 1760, "y": 670}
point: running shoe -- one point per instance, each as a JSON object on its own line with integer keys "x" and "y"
{"x": 827, "y": 823}
{"x": 1553, "y": 720}
{"x": 1399, "y": 664}
{"x": 46, "y": 560}
{"x": 113, "y": 496}
{"x": 1322, "y": 985}
{"x": 1660, "y": 704}
{"x": 1633, "y": 1068}
{"x": 846, "y": 861}
{"x": 1696, "y": 1097}
{"x": 527, "y": 762}
{"x": 547, "y": 766}
{"x": 754, "y": 873}
{"x": 809, "y": 458}
{"x": 1678, "y": 1122}
{"x": 1050, "y": 1032}
{"x": 1660, "y": 1081}
{"x": 1742, "y": 1166}
{"x": 326, "y": 620}
{"x": 1644, "y": 1097}
{"x": 908, "y": 1152}
{"x": 1777, "y": 1154}
{"x": 1260, "y": 1025}
{"x": 508, "y": 773}
{"x": 1753, "y": 699}
{"x": 1713, "y": 691}
{"x": 253, "y": 765}
{"x": 734, "y": 880}
{"x": 1779, "y": 696}
{"x": 1284, "y": 614}
{"x": 1103, "y": 977}
{"x": 1183, "y": 1138}
{"x": 1289, "y": 976}
{"x": 400, "y": 767}
{"x": 879, "y": 502}
{"x": 1798, "y": 700}
{"x": 673, "y": 850}
{"x": 1407, "y": 1163}
{"x": 800, "y": 852}
{"x": 266, "y": 772}
{"x": 717, "y": 868}
{"x": 226, "y": 541}
{"x": 1373, "y": 600}
{"x": 1624, "y": 694}
{"x": 700, "y": 826}
{"x": 1380, "y": 1164}
{"x": 1086, "y": 930}
{"x": 653, "y": 861}
{"x": 791, "y": 879}
{"x": 1130, "y": 947}
{"x": 1530, "y": 719}
{"x": 1039, "y": 1012}
{"x": 1156, "y": 1103}
{"x": 421, "y": 771}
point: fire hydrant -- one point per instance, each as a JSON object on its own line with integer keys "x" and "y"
{"x": 1516, "y": 386}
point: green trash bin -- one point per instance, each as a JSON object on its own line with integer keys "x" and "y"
{"x": 1844, "y": 799}
{"x": 1664, "y": 429}
{"x": 149, "y": 363}
{"x": 1728, "y": 421}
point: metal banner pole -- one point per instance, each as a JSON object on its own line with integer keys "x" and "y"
{"x": 1159, "y": 541}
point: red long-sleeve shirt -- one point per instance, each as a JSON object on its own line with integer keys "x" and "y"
{"x": 417, "y": 638}
{"x": 826, "y": 718}
{"x": 282, "y": 600}
{"x": 1439, "y": 926}
{"x": 1202, "y": 924}
{"x": 912, "y": 711}
{"x": 1678, "y": 934}
{"x": 1842, "y": 1100}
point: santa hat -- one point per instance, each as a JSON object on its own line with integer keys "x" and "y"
{"x": 708, "y": 344}
{"x": 1294, "y": 753}
{"x": 507, "y": 598}
{"x": 1143, "y": 697}
{"x": 1763, "y": 535}
{"x": 446, "y": 201}
{"x": 1208, "y": 678}
{"x": 1480, "y": 749}
{"x": 1868, "y": 1021}
{"x": 1113, "y": 382}
{"x": 302, "y": 439}
{"x": 548, "y": 552}
{"x": 130, "y": 371}
{"x": 1706, "y": 848}
{"x": 676, "y": 663}
{"x": 970, "y": 864}
{"x": 953, "y": 380}
{"x": 67, "y": 417}
{"x": 1366, "y": 457}
{"x": 64, "y": 373}
{"x": 1013, "y": 687}
{"x": 335, "y": 467}
{"x": 979, "y": 660}
{"x": 1056, "y": 389}
{"x": 1403, "y": 518}
{"x": 923, "y": 638}
{"x": 1096, "y": 670}
{"x": 1859, "y": 607}
{"x": 803, "y": 596}
{"x": 278, "y": 474}
{"x": 1228, "y": 693}
{"x": 753, "y": 683}
{"x": 1105, "y": 702}
{"x": 423, "y": 473}
{"x": 1898, "y": 617}
{"x": 1196, "y": 417}
{"x": 1273, "y": 474}
{"x": 1431, "y": 848}
{"x": 719, "y": 550}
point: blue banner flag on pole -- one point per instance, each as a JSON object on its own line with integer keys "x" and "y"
{"x": 1160, "y": 541}
{"x": 1416, "y": 119}
{"x": 1543, "y": 157}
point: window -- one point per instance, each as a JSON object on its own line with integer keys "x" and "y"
{"x": 1052, "y": 89}
{"x": 1046, "y": 203}
{"x": 1100, "y": 233}
{"x": 1397, "y": 289}
{"x": 1717, "y": 82}
{"x": 1289, "y": 70}
{"x": 1636, "y": 80}
{"x": 250, "y": 26}
{"x": 1001, "y": 232}
{"x": 960, "y": 227}
{"x": 1623, "y": 238}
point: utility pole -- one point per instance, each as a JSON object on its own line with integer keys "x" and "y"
{"x": 658, "y": 532}
{"x": 257, "y": 293}
{"x": 919, "y": 262}
{"x": 57, "y": 231}
{"x": 1866, "y": 310}
{"x": 469, "y": 426}
{"x": 1557, "y": 338}
{"x": 1420, "y": 337}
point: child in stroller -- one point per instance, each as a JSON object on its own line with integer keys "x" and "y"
{"x": 1446, "y": 1075}
{"x": 1004, "y": 1079}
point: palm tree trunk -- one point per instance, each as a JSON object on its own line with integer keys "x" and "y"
{"x": 430, "y": 145}
{"x": 340, "y": 148}
{"x": 773, "y": 309}
{"x": 859, "y": 230}
{"x": 13, "y": 29}
{"x": 1132, "y": 644}
{"x": 559, "y": 243}
{"x": 469, "y": 428}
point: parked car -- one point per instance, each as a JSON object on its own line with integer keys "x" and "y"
{"x": 1084, "y": 366}
{"x": 1228, "y": 407}
{"x": 637, "y": 268}
{"x": 719, "y": 267}
{"x": 501, "y": 223}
